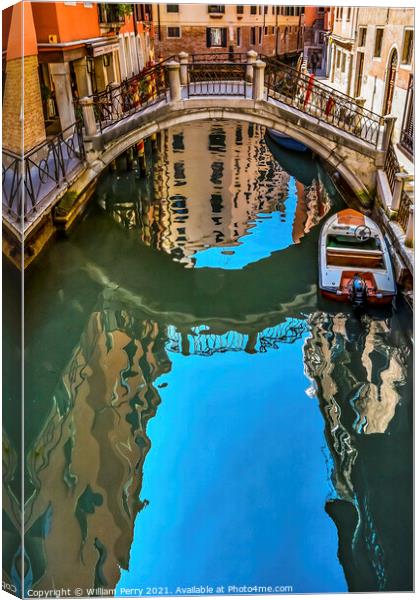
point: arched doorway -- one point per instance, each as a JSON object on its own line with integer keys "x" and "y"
{"x": 390, "y": 82}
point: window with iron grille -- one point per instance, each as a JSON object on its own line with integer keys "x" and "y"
{"x": 407, "y": 53}
{"x": 253, "y": 10}
{"x": 239, "y": 10}
{"x": 172, "y": 8}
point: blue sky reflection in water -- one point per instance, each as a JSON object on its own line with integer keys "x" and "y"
{"x": 271, "y": 232}
{"x": 235, "y": 495}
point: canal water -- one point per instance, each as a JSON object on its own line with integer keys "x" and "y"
{"x": 197, "y": 417}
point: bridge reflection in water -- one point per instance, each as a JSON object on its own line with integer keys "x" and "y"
{"x": 131, "y": 314}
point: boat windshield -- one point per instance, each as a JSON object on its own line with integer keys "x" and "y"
{"x": 349, "y": 241}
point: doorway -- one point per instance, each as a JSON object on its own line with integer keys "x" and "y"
{"x": 390, "y": 82}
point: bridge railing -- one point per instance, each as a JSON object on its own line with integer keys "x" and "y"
{"x": 391, "y": 166}
{"x": 29, "y": 179}
{"x": 224, "y": 57}
{"x": 119, "y": 101}
{"x": 217, "y": 79}
{"x": 303, "y": 92}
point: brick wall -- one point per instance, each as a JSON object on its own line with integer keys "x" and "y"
{"x": 193, "y": 41}
{"x": 33, "y": 124}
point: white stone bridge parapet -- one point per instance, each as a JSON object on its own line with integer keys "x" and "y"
{"x": 352, "y": 139}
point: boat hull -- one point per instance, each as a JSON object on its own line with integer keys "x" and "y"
{"x": 286, "y": 141}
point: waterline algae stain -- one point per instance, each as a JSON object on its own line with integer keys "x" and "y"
{"x": 196, "y": 415}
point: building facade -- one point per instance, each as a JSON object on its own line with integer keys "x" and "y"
{"x": 372, "y": 59}
{"x": 203, "y": 28}
{"x": 72, "y": 50}
{"x": 317, "y": 24}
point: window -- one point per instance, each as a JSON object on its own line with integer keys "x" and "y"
{"x": 260, "y": 34}
{"x": 339, "y": 13}
{"x": 174, "y": 32}
{"x": 348, "y": 14}
{"x": 338, "y": 60}
{"x": 239, "y": 10}
{"x": 238, "y": 36}
{"x": 265, "y": 9}
{"x": 216, "y": 9}
{"x": 172, "y": 8}
{"x": 253, "y": 36}
{"x": 265, "y": 30}
{"x": 378, "y": 42}
{"x": 362, "y": 36}
{"x": 178, "y": 142}
{"x": 407, "y": 53}
{"x": 343, "y": 62}
{"x": 216, "y": 37}
{"x": 253, "y": 10}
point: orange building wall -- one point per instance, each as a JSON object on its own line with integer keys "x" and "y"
{"x": 77, "y": 22}
{"x": 68, "y": 23}
{"x": 310, "y": 15}
{"x": 6, "y": 15}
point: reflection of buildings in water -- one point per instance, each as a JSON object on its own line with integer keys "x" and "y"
{"x": 357, "y": 372}
{"x": 229, "y": 164}
{"x": 86, "y": 465}
{"x": 368, "y": 386}
{"x": 312, "y": 204}
{"x": 11, "y": 513}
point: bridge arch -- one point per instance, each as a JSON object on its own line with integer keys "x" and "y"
{"x": 354, "y": 160}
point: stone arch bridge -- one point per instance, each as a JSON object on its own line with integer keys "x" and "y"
{"x": 352, "y": 139}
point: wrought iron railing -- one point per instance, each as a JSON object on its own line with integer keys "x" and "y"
{"x": 225, "y": 57}
{"x": 404, "y": 210}
{"x": 29, "y": 179}
{"x": 218, "y": 79}
{"x": 118, "y": 102}
{"x": 391, "y": 167}
{"x": 304, "y": 92}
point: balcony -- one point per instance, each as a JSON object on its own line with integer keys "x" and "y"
{"x": 110, "y": 17}
{"x": 216, "y": 10}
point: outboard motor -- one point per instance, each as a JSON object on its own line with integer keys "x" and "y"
{"x": 357, "y": 292}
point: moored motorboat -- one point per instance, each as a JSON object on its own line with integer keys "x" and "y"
{"x": 286, "y": 141}
{"x": 354, "y": 261}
